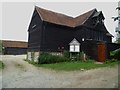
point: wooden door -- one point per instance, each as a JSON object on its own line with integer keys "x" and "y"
{"x": 101, "y": 52}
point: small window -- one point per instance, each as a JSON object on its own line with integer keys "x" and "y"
{"x": 77, "y": 49}
{"x": 72, "y": 48}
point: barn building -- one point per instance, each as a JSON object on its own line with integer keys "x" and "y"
{"x": 14, "y": 47}
{"x": 50, "y": 31}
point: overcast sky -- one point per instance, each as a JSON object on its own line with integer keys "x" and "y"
{"x": 16, "y": 16}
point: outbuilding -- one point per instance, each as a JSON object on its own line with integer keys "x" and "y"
{"x": 51, "y": 31}
{"x": 14, "y": 47}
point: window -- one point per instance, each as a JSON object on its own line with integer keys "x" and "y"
{"x": 71, "y": 48}
{"x": 77, "y": 49}
{"x": 74, "y": 48}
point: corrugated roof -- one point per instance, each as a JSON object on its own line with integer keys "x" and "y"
{"x": 61, "y": 19}
{"x": 18, "y": 44}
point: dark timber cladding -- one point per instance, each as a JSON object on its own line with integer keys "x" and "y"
{"x": 50, "y": 31}
{"x": 14, "y": 47}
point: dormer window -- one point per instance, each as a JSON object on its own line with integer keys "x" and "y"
{"x": 99, "y": 18}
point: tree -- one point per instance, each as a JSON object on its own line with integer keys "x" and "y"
{"x": 118, "y": 38}
{"x": 1, "y": 48}
{"x": 118, "y": 28}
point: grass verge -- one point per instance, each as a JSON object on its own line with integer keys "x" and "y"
{"x": 76, "y": 65}
{"x": 1, "y": 65}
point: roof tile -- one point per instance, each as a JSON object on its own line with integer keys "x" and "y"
{"x": 18, "y": 44}
{"x": 61, "y": 19}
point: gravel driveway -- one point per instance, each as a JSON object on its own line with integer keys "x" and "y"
{"x": 19, "y": 74}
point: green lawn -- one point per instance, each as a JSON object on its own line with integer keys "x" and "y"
{"x": 1, "y": 65}
{"x": 76, "y": 65}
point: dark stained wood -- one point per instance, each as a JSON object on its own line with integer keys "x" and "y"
{"x": 111, "y": 47}
{"x": 35, "y": 29}
{"x": 15, "y": 51}
{"x": 14, "y": 47}
{"x": 49, "y": 36}
{"x": 56, "y": 36}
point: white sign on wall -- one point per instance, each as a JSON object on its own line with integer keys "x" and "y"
{"x": 74, "y": 46}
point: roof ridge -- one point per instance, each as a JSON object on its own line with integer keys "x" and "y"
{"x": 53, "y": 12}
{"x": 62, "y": 19}
{"x": 87, "y": 16}
{"x": 65, "y": 14}
{"x": 86, "y": 12}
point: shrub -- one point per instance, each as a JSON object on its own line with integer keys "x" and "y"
{"x": 110, "y": 61}
{"x": 115, "y": 54}
{"x": 46, "y": 58}
{"x": 66, "y": 54}
{"x": 83, "y": 56}
{"x": 1, "y": 65}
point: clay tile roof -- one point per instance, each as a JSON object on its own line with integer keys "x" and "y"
{"x": 82, "y": 18}
{"x": 18, "y": 44}
{"x": 61, "y": 19}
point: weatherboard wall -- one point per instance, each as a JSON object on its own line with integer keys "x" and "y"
{"x": 35, "y": 32}
{"x": 56, "y": 37}
{"x": 15, "y": 51}
{"x": 45, "y": 36}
